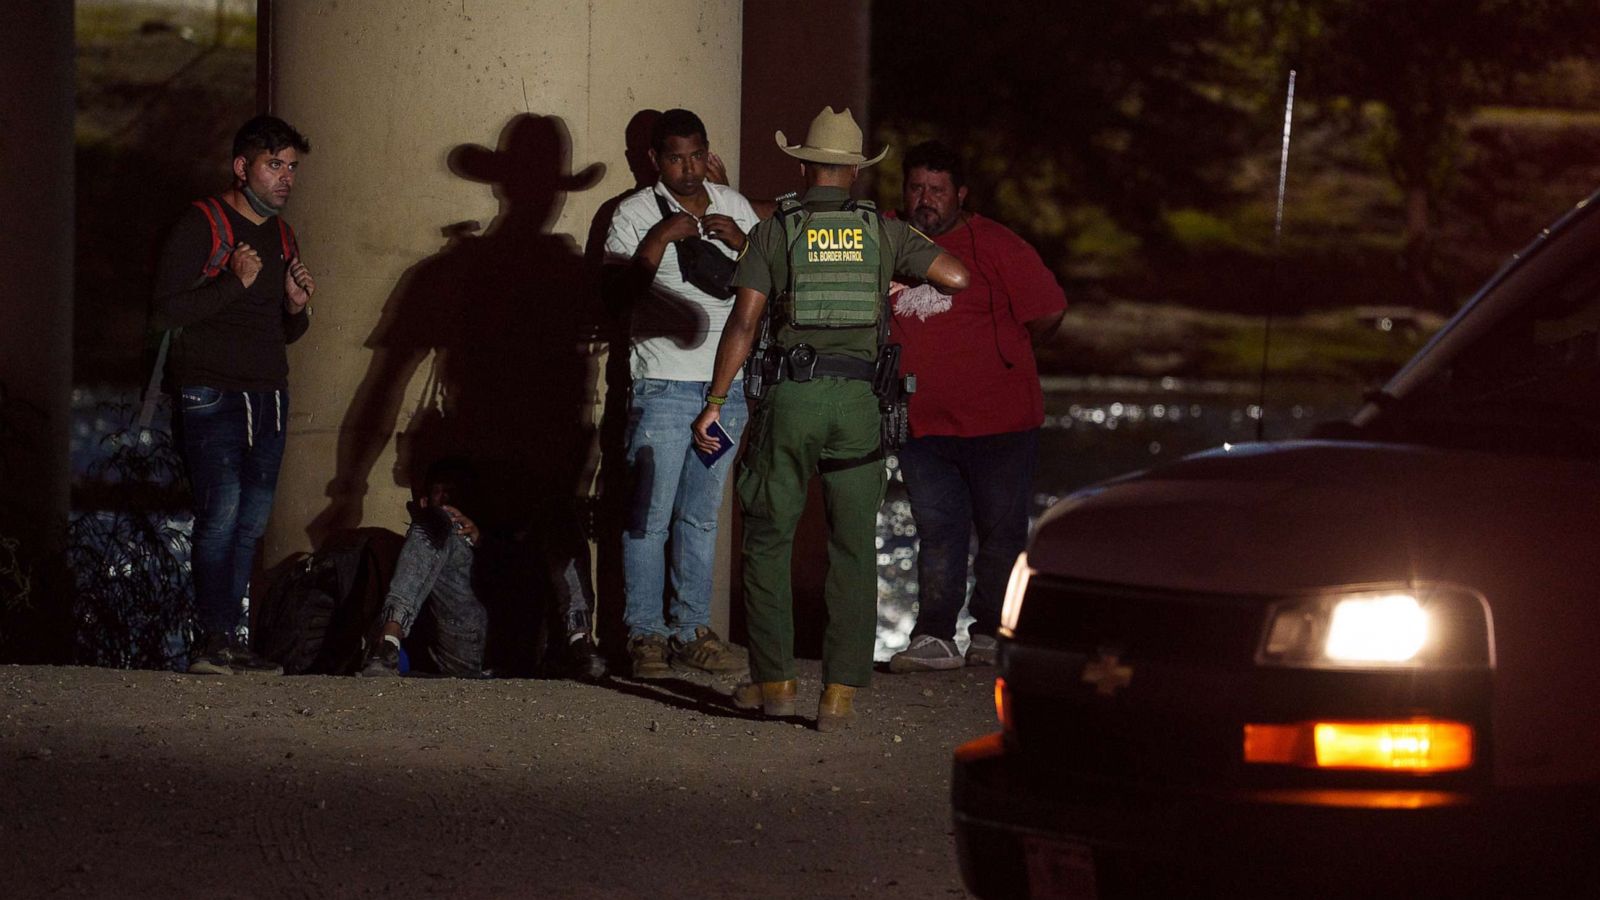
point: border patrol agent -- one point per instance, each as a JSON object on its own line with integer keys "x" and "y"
{"x": 828, "y": 261}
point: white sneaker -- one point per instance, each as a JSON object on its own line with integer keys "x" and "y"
{"x": 926, "y": 654}
{"x": 982, "y": 650}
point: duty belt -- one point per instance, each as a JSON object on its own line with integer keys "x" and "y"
{"x": 802, "y": 363}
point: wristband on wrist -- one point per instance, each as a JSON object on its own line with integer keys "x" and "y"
{"x": 716, "y": 400}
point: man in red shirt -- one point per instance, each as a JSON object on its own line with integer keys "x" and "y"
{"x": 975, "y": 416}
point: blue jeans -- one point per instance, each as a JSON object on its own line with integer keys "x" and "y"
{"x": 958, "y": 485}
{"x": 672, "y": 495}
{"x": 443, "y": 575}
{"x": 232, "y": 446}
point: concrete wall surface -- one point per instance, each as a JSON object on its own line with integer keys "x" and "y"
{"x": 463, "y": 153}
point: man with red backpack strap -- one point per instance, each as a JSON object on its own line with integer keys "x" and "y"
{"x": 232, "y": 292}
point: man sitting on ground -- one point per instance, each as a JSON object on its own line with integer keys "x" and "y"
{"x": 436, "y": 564}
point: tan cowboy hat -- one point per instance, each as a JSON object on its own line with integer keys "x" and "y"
{"x": 834, "y": 137}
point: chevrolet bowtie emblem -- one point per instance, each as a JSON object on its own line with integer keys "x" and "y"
{"x": 1107, "y": 674}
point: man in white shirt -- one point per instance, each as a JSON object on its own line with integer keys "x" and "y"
{"x": 669, "y": 537}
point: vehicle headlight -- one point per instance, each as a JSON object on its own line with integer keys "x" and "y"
{"x": 1388, "y": 628}
{"x": 1015, "y": 588}
{"x": 1427, "y": 626}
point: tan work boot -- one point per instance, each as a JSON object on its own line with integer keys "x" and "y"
{"x": 774, "y": 698}
{"x": 707, "y": 653}
{"x": 836, "y": 709}
{"x": 648, "y": 653}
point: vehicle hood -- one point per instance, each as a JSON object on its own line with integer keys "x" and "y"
{"x": 1273, "y": 518}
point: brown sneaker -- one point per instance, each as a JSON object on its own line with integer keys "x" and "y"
{"x": 836, "y": 707}
{"x": 707, "y": 653}
{"x": 648, "y": 652}
{"x": 773, "y": 698}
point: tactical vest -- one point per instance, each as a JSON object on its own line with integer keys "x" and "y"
{"x": 834, "y": 260}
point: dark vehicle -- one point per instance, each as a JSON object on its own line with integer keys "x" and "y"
{"x": 1366, "y": 663}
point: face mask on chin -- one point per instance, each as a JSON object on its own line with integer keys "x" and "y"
{"x": 260, "y": 206}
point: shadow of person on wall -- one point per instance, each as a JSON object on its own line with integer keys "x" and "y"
{"x": 501, "y": 320}
{"x": 616, "y": 302}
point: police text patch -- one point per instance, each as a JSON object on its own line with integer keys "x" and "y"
{"x": 835, "y": 244}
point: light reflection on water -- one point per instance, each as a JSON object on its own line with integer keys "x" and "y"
{"x": 1096, "y": 429}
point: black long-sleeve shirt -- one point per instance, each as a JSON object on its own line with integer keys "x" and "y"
{"x": 233, "y": 337}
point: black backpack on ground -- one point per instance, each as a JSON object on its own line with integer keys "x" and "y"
{"x": 320, "y": 606}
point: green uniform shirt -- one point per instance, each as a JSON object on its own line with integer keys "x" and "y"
{"x": 764, "y": 265}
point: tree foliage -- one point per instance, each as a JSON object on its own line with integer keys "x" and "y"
{"x": 1132, "y": 107}
{"x": 1137, "y": 111}
{"x": 1427, "y": 66}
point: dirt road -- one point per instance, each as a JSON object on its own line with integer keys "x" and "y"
{"x": 120, "y": 784}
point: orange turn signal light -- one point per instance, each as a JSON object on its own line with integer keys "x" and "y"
{"x": 1406, "y": 745}
{"x": 1002, "y": 704}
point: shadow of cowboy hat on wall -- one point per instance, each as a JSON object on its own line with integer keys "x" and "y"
{"x": 530, "y": 164}
{"x": 834, "y": 138}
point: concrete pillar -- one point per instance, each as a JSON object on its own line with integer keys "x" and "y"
{"x": 36, "y": 218}
{"x": 428, "y": 118}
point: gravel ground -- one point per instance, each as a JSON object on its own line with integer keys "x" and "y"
{"x": 121, "y": 783}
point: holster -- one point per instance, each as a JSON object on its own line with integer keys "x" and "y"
{"x": 886, "y": 371}
{"x": 896, "y": 424}
{"x": 763, "y": 368}
{"x": 893, "y": 393}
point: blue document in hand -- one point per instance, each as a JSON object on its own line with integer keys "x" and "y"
{"x": 724, "y": 444}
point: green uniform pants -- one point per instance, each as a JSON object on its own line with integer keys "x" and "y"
{"x": 799, "y": 430}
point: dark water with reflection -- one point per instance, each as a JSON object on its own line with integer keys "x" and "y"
{"x": 1097, "y": 428}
